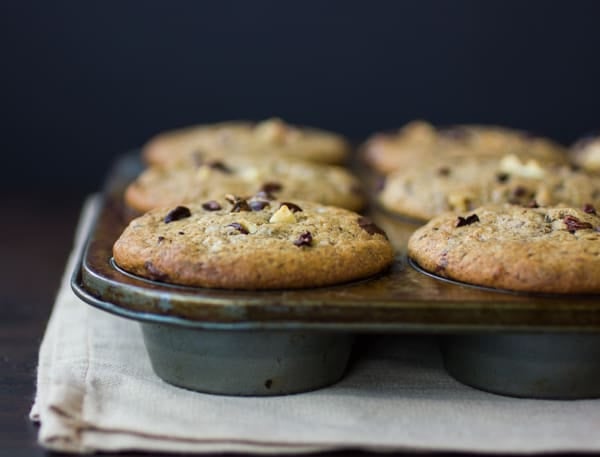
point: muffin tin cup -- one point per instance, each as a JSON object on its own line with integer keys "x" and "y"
{"x": 547, "y": 365}
{"x": 257, "y": 363}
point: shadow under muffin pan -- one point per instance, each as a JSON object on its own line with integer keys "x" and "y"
{"x": 236, "y": 342}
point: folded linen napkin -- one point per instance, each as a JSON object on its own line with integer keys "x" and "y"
{"x": 96, "y": 392}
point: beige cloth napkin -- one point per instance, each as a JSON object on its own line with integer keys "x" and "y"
{"x": 96, "y": 392}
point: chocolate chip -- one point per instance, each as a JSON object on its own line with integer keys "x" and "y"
{"x": 181, "y": 233}
{"x": 154, "y": 272}
{"x": 181, "y": 212}
{"x": 519, "y": 191}
{"x": 215, "y": 164}
{"x": 461, "y": 221}
{"x": 161, "y": 239}
{"x": 265, "y": 195}
{"x": 239, "y": 227}
{"x": 589, "y": 208}
{"x": 369, "y": 226}
{"x": 519, "y": 195}
{"x": 291, "y": 206}
{"x": 573, "y": 224}
{"x": 502, "y": 177}
{"x": 257, "y": 205}
{"x": 532, "y": 204}
{"x": 442, "y": 263}
{"x": 270, "y": 187}
{"x": 267, "y": 189}
{"x": 305, "y": 239}
{"x": 218, "y": 165}
{"x": 444, "y": 171}
{"x": 211, "y": 205}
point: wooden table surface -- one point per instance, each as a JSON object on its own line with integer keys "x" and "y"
{"x": 37, "y": 235}
{"x": 36, "y": 239}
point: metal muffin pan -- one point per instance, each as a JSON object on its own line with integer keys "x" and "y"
{"x": 285, "y": 341}
{"x": 558, "y": 366}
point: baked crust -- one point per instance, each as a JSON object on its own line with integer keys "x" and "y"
{"x": 585, "y": 153}
{"x": 212, "y": 178}
{"x": 550, "y": 250}
{"x": 420, "y": 142}
{"x": 276, "y": 247}
{"x": 269, "y": 138}
{"x": 426, "y": 190}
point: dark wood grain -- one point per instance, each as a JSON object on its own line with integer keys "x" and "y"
{"x": 37, "y": 233}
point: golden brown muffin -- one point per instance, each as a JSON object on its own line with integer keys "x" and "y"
{"x": 554, "y": 250}
{"x": 253, "y": 244}
{"x": 419, "y": 142}
{"x": 213, "y": 178}
{"x": 269, "y": 138}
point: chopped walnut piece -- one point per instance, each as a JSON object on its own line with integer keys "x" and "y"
{"x": 272, "y": 131}
{"x": 239, "y": 203}
{"x": 461, "y": 200}
{"x": 512, "y": 165}
{"x": 283, "y": 215}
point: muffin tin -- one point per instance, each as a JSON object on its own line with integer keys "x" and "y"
{"x": 285, "y": 341}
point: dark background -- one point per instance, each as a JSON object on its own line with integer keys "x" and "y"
{"x": 82, "y": 82}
